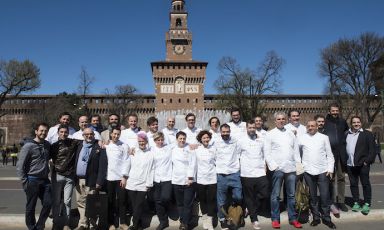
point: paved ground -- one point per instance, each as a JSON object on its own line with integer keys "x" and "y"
{"x": 12, "y": 202}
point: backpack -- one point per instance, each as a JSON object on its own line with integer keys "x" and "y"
{"x": 234, "y": 217}
{"x": 302, "y": 196}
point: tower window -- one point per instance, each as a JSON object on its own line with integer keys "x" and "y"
{"x": 170, "y": 100}
{"x": 187, "y": 100}
{"x": 178, "y": 22}
{"x": 162, "y": 100}
{"x": 179, "y": 100}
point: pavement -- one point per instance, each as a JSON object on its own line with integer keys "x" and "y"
{"x": 12, "y": 204}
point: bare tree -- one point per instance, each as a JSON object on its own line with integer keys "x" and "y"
{"x": 85, "y": 83}
{"x": 347, "y": 66}
{"x": 242, "y": 88}
{"x": 16, "y": 78}
{"x": 124, "y": 100}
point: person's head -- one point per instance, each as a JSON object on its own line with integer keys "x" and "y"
{"x": 280, "y": 119}
{"x": 259, "y": 122}
{"x": 214, "y": 123}
{"x": 225, "y": 131}
{"x": 355, "y": 123}
{"x": 115, "y": 134}
{"x": 311, "y": 127}
{"x": 235, "y": 115}
{"x": 159, "y": 139}
{"x": 191, "y": 120}
{"x": 41, "y": 131}
{"x": 294, "y": 116}
{"x": 171, "y": 122}
{"x": 114, "y": 119}
{"x": 204, "y": 137}
{"x": 251, "y": 128}
{"x": 132, "y": 121}
{"x": 65, "y": 118}
{"x": 89, "y": 135}
{"x": 181, "y": 138}
{"x": 83, "y": 122}
{"x": 63, "y": 132}
{"x": 334, "y": 110}
{"x": 153, "y": 124}
{"x": 320, "y": 121}
{"x": 142, "y": 139}
{"x": 95, "y": 120}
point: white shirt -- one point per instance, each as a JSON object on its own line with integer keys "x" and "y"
{"x": 170, "y": 135}
{"x": 118, "y": 160}
{"x": 151, "y": 142}
{"x": 183, "y": 165}
{"x": 162, "y": 163}
{"x": 351, "y": 145}
{"x": 215, "y": 136}
{"x": 129, "y": 137}
{"x": 79, "y": 135}
{"x": 238, "y": 130}
{"x": 252, "y": 162}
{"x": 206, "y": 165}
{"x": 53, "y": 135}
{"x": 317, "y": 155}
{"x": 192, "y": 134}
{"x": 141, "y": 171}
{"x": 227, "y": 156}
{"x": 281, "y": 150}
{"x": 299, "y": 130}
{"x": 261, "y": 134}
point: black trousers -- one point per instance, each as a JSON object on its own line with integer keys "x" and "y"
{"x": 138, "y": 199}
{"x": 117, "y": 203}
{"x": 162, "y": 196}
{"x": 362, "y": 172}
{"x": 207, "y": 198}
{"x": 255, "y": 190}
{"x": 34, "y": 189}
{"x": 185, "y": 196}
{"x": 320, "y": 182}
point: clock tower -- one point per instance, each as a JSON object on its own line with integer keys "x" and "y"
{"x": 179, "y": 80}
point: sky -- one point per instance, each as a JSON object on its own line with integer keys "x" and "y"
{"x": 116, "y": 40}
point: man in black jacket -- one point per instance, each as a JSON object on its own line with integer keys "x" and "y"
{"x": 63, "y": 153}
{"x": 335, "y": 128}
{"x": 32, "y": 168}
{"x": 361, "y": 154}
{"x": 91, "y": 172}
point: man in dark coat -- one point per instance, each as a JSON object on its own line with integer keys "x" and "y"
{"x": 91, "y": 172}
{"x": 335, "y": 128}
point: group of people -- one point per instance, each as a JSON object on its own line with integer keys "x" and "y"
{"x": 233, "y": 164}
{"x": 7, "y": 152}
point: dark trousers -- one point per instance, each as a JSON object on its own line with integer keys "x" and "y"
{"x": 362, "y": 172}
{"x": 320, "y": 182}
{"x": 34, "y": 189}
{"x": 185, "y": 196}
{"x": 339, "y": 180}
{"x": 162, "y": 195}
{"x": 117, "y": 200}
{"x": 255, "y": 190}
{"x": 137, "y": 200}
{"x": 14, "y": 161}
{"x": 207, "y": 198}
{"x": 5, "y": 160}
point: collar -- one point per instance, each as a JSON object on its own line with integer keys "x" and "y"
{"x": 358, "y": 131}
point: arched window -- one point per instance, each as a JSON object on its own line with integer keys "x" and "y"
{"x": 179, "y": 100}
{"x": 178, "y": 22}
{"x": 162, "y": 100}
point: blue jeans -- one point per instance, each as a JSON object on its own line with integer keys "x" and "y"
{"x": 290, "y": 184}
{"x": 223, "y": 183}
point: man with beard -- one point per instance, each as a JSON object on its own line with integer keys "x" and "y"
{"x": 294, "y": 123}
{"x": 237, "y": 126}
{"x": 320, "y": 121}
{"x": 64, "y": 119}
{"x": 113, "y": 122}
{"x": 335, "y": 128}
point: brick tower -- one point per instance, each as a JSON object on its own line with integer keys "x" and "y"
{"x": 179, "y": 80}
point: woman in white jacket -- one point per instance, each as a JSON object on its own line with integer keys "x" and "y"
{"x": 162, "y": 178}
{"x": 206, "y": 177}
{"x": 183, "y": 179}
{"x": 140, "y": 177}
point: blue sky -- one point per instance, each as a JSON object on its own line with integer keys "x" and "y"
{"x": 117, "y": 39}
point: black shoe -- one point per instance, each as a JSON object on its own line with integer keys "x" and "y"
{"x": 330, "y": 224}
{"x": 343, "y": 207}
{"x": 162, "y": 225}
{"x": 183, "y": 226}
{"x": 315, "y": 223}
{"x": 224, "y": 225}
{"x": 132, "y": 227}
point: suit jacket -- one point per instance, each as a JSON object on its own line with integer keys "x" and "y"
{"x": 365, "y": 149}
{"x": 97, "y": 165}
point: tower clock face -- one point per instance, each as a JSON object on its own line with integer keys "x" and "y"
{"x": 179, "y": 49}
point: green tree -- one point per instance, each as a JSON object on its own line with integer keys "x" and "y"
{"x": 348, "y": 67}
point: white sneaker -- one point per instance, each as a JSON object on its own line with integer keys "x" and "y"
{"x": 204, "y": 218}
{"x": 256, "y": 225}
{"x": 209, "y": 223}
